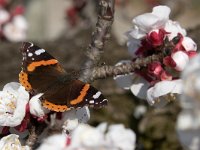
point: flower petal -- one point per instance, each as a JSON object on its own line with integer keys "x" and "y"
{"x": 181, "y": 59}
{"x": 12, "y": 87}
{"x": 124, "y": 81}
{"x": 137, "y": 33}
{"x": 174, "y": 28}
{"x": 70, "y": 124}
{"x": 133, "y": 45}
{"x": 54, "y": 142}
{"x": 189, "y": 44}
{"x": 163, "y": 88}
{"x": 162, "y": 12}
{"x": 120, "y": 137}
{"x": 102, "y": 127}
{"x": 87, "y": 137}
{"x": 146, "y": 22}
{"x": 139, "y": 87}
{"x": 36, "y": 107}
{"x": 155, "y": 20}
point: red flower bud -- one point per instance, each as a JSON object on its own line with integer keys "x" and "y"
{"x": 165, "y": 76}
{"x": 18, "y": 10}
{"x": 191, "y": 53}
{"x": 3, "y": 3}
{"x": 156, "y": 37}
{"x": 155, "y": 68}
{"x": 168, "y": 61}
{"x": 68, "y": 141}
{"x": 72, "y": 16}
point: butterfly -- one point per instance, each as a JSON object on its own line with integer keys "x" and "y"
{"x": 42, "y": 73}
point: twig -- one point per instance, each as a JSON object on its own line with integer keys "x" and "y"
{"x": 99, "y": 36}
{"x": 32, "y": 137}
{"x": 110, "y": 71}
{"x": 35, "y": 130}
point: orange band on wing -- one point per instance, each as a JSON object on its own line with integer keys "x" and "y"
{"x": 54, "y": 107}
{"x": 33, "y": 65}
{"x": 81, "y": 96}
{"x": 23, "y": 79}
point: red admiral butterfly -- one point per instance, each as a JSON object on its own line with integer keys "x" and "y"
{"x": 41, "y": 73}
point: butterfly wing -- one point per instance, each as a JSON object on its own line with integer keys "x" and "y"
{"x": 41, "y": 73}
{"x": 39, "y": 69}
{"x": 73, "y": 94}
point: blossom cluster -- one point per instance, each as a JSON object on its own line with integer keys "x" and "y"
{"x": 17, "y": 109}
{"x": 11, "y": 142}
{"x": 155, "y": 33}
{"x": 13, "y": 25}
{"x": 85, "y": 137}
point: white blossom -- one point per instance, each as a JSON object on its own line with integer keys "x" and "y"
{"x": 4, "y": 16}
{"x": 118, "y": 137}
{"x": 36, "y": 106}
{"x": 11, "y": 142}
{"x": 54, "y": 142}
{"x": 13, "y": 100}
{"x": 86, "y": 137}
{"x": 155, "y": 20}
{"x": 139, "y": 111}
{"x": 16, "y": 30}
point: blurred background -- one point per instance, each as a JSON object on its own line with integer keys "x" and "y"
{"x": 64, "y": 27}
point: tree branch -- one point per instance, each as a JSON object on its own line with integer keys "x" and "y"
{"x": 32, "y": 137}
{"x": 110, "y": 71}
{"x": 99, "y": 36}
{"x": 35, "y": 130}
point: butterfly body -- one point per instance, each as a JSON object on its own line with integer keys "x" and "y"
{"x": 42, "y": 73}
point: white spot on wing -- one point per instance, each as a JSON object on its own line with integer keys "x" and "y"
{"x": 91, "y": 101}
{"x": 30, "y": 54}
{"x": 39, "y": 51}
{"x": 97, "y": 95}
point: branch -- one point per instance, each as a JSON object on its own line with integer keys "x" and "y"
{"x": 110, "y": 71}
{"x": 35, "y": 130}
{"x": 32, "y": 137}
{"x": 99, "y": 36}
